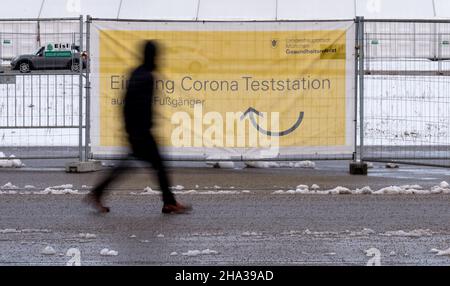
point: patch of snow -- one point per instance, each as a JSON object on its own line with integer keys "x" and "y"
{"x": 319, "y": 233}
{"x": 87, "y": 235}
{"x": 315, "y": 187}
{"x": 444, "y": 185}
{"x": 340, "y": 191}
{"x": 412, "y": 233}
{"x": 191, "y": 253}
{"x": 9, "y": 186}
{"x": 198, "y": 252}
{"x": 177, "y": 187}
{"x": 330, "y": 253}
{"x": 86, "y": 187}
{"x": 270, "y": 164}
{"x": 248, "y": 233}
{"x": 10, "y": 230}
{"x": 10, "y": 162}
{"x": 149, "y": 191}
{"x": 29, "y": 187}
{"x": 173, "y": 253}
{"x": 133, "y": 236}
{"x": 365, "y": 231}
{"x": 443, "y": 252}
{"x": 33, "y": 230}
{"x": 48, "y": 250}
{"x": 261, "y": 164}
{"x": 209, "y": 252}
{"x": 108, "y": 252}
{"x": 392, "y": 253}
{"x": 160, "y": 235}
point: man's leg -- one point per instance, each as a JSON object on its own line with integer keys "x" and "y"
{"x": 147, "y": 150}
{"x": 96, "y": 195}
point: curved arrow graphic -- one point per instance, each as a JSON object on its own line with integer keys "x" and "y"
{"x": 251, "y": 112}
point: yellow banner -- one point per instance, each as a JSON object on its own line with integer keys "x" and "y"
{"x": 217, "y": 88}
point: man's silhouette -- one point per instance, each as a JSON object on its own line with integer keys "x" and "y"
{"x": 138, "y": 117}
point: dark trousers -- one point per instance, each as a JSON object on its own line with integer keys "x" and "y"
{"x": 145, "y": 149}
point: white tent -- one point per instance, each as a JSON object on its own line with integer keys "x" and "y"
{"x": 230, "y": 9}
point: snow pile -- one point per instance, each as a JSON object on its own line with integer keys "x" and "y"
{"x": 269, "y": 164}
{"x": 147, "y": 191}
{"x": 87, "y": 235}
{"x": 412, "y": 233}
{"x": 364, "y": 232}
{"x": 48, "y": 250}
{"x": 177, "y": 187}
{"x": 320, "y": 233}
{"x": 9, "y": 230}
{"x": 198, "y": 252}
{"x": 442, "y": 188}
{"x": 247, "y": 233}
{"x": 29, "y": 187}
{"x": 10, "y": 162}
{"x": 9, "y": 186}
{"x": 60, "y": 190}
{"x": 160, "y": 235}
{"x": 33, "y": 230}
{"x": 108, "y": 252}
{"x": 441, "y": 252}
{"x": 173, "y": 253}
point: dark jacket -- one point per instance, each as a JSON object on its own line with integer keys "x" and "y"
{"x": 139, "y": 96}
{"x": 138, "y": 102}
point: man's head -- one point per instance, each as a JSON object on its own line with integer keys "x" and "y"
{"x": 150, "y": 54}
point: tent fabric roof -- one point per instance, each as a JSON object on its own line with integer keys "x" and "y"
{"x": 230, "y": 9}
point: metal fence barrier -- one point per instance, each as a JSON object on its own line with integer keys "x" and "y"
{"x": 42, "y": 77}
{"x": 406, "y": 92}
{"x": 402, "y": 74}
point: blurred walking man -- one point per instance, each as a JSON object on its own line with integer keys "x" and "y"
{"x": 138, "y": 123}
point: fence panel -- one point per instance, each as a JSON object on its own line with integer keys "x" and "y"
{"x": 42, "y": 74}
{"x": 294, "y": 79}
{"x": 406, "y": 93}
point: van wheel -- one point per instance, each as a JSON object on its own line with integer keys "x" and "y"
{"x": 24, "y": 67}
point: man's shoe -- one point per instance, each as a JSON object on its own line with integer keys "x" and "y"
{"x": 95, "y": 202}
{"x": 176, "y": 209}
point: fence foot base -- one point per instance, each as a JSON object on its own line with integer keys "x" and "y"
{"x": 358, "y": 168}
{"x": 83, "y": 167}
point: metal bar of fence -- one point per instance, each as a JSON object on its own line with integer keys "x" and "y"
{"x": 424, "y": 164}
{"x": 355, "y": 120}
{"x": 361, "y": 88}
{"x": 41, "y": 127}
{"x": 37, "y": 19}
{"x": 429, "y": 21}
{"x": 80, "y": 109}
{"x": 221, "y": 21}
{"x": 407, "y": 73}
{"x": 232, "y": 159}
{"x": 88, "y": 90}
